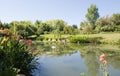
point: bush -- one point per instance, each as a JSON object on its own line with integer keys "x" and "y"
{"x": 15, "y": 56}
{"x": 79, "y": 39}
{"x": 85, "y": 39}
{"x": 41, "y": 38}
{"x": 118, "y": 42}
{"x": 33, "y": 37}
{"x": 46, "y": 38}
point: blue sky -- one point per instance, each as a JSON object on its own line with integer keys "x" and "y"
{"x": 71, "y": 11}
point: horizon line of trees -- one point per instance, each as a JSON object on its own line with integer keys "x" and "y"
{"x": 96, "y": 24}
{"x": 93, "y": 24}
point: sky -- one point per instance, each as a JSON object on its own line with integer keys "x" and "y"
{"x": 71, "y": 11}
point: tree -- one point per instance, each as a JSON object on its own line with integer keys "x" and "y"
{"x": 104, "y": 24}
{"x": 92, "y": 15}
{"x": 116, "y": 21}
{"x": 24, "y": 28}
{"x": 1, "y": 25}
{"x": 69, "y": 30}
{"x": 37, "y": 22}
{"x": 74, "y": 26}
{"x": 59, "y": 24}
{"x": 83, "y": 25}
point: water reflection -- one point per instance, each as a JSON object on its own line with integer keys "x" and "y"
{"x": 92, "y": 64}
{"x": 73, "y": 59}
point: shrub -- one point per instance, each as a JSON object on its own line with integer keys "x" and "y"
{"x": 41, "y": 38}
{"x": 15, "y": 56}
{"x": 85, "y": 39}
{"x": 33, "y": 37}
{"x": 46, "y": 38}
{"x": 118, "y": 42}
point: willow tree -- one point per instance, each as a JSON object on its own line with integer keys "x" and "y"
{"x": 92, "y": 15}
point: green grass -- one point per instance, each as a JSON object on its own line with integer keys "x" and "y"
{"x": 110, "y": 38}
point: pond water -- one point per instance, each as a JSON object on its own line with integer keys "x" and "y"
{"x": 74, "y": 59}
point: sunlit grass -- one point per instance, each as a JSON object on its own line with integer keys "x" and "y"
{"x": 106, "y": 37}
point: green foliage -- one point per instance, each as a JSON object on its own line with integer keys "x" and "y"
{"x": 4, "y": 25}
{"x": 92, "y": 15}
{"x": 79, "y": 39}
{"x": 46, "y": 38}
{"x": 59, "y": 24}
{"x": 23, "y": 28}
{"x": 115, "y": 18}
{"x": 118, "y": 42}
{"x": 85, "y": 39}
{"x": 41, "y": 38}
{"x": 8, "y": 72}
{"x": 16, "y": 56}
{"x": 83, "y": 74}
{"x": 69, "y": 30}
{"x": 74, "y": 26}
{"x": 109, "y": 23}
{"x": 87, "y": 30}
{"x": 33, "y": 37}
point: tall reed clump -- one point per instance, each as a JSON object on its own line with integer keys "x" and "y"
{"x": 15, "y": 57}
{"x": 85, "y": 39}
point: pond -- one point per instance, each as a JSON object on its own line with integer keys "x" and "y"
{"x": 74, "y": 59}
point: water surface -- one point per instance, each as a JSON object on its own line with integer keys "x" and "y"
{"x": 74, "y": 59}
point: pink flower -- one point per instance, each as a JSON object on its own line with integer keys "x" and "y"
{"x": 102, "y": 57}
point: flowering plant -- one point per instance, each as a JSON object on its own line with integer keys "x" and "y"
{"x": 103, "y": 64}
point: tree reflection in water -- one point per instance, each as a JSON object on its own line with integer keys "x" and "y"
{"x": 90, "y": 54}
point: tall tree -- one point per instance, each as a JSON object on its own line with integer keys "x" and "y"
{"x": 92, "y": 15}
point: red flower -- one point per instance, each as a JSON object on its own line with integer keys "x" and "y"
{"x": 29, "y": 41}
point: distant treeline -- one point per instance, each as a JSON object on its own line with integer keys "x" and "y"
{"x": 93, "y": 24}
{"x": 103, "y": 24}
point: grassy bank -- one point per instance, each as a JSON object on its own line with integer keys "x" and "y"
{"x": 105, "y": 38}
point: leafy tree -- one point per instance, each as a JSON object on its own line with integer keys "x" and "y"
{"x": 92, "y": 15}
{"x": 1, "y": 25}
{"x": 115, "y": 19}
{"x": 74, "y": 26}
{"x": 83, "y": 25}
{"x": 44, "y": 28}
{"x": 104, "y": 24}
{"x": 24, "y": 28}
{"x": 37, "y": 22}
{"x": 59, "y": 24}
{"x": 4, "y": 25}
{"x": 69, "y": 30}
